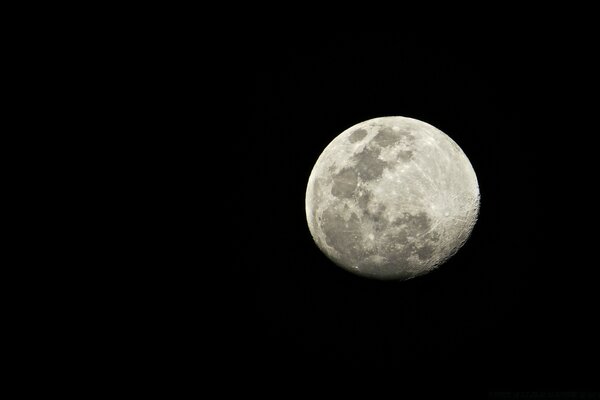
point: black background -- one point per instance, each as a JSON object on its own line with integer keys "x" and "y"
{"x": 514, "y": 309}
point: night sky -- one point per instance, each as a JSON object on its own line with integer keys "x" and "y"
{"x": 512, "y": 310}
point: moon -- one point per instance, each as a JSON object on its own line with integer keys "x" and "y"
{"x": 391, "y": 198}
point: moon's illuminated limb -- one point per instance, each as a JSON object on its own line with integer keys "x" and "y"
{"x": 391, "y": 198}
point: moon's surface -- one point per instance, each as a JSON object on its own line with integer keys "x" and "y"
{"x": 391, "y": 198}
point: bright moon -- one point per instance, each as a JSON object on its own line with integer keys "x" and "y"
{"x": 391, "y": 198}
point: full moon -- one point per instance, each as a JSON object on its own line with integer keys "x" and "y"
{"x": 391, "y": 198}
